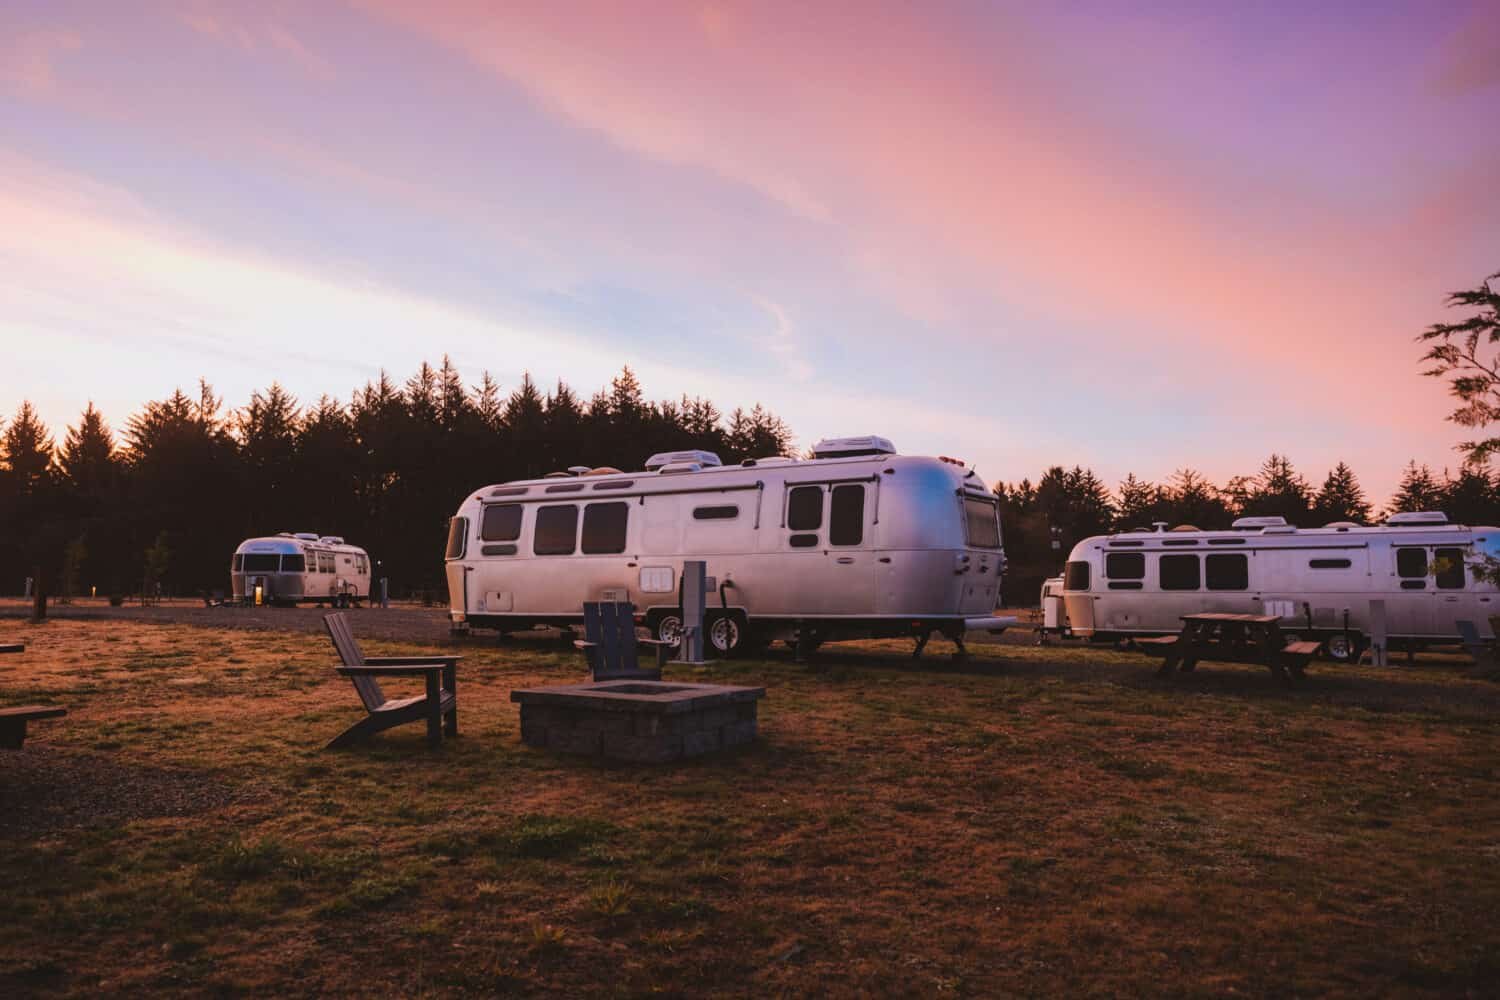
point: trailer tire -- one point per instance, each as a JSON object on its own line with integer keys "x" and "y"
{"x": 1344, "y": 648}
{"x": 665, "y": 626}
{"x": 727, "y": 633}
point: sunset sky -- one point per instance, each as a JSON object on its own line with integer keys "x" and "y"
{"x": 1190, "y": 234}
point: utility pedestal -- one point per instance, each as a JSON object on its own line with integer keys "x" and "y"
{"x": 694, "y": 590}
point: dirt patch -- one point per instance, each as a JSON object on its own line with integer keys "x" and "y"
{"x": 46, "y": 790}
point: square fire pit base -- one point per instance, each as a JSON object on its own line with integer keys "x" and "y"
{"x": 641, "y": 721}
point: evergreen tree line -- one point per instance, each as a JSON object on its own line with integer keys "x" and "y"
{"x": 1043, "y": 521}
{"x": 169, "y": 498}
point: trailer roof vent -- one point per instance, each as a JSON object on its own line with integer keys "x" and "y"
{"x": 674, "y": 468}
{"x": 1251, "y": 523}
{"x": 702, "y": 459}
{"x": 285, "y": 534}
{"x": 558, "y": 475}
{"x": 1416, "y": 517}
{"x": 1280, "y": 529}
{"x": 770, "y": 460}
{"x": 307, "y": 536}
{"x": 1342, "y": 525}
{"x": 852, "y": 447}
{"x": 332, "y": 539}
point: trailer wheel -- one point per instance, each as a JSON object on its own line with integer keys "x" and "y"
{"x": 667, "y": 627}
{"x": 1344, "y": 648}
{"x": 726, "y": 634}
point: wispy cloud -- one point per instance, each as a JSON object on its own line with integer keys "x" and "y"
{"x": 29, "y": 59}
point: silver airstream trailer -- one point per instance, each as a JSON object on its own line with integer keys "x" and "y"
{"x": 856, "y": 542}
{"x": 1320, "y": 581}
{"x": 288, "y": 569}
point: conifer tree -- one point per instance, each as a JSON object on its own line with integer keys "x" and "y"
{"x": 1418, "y": 490}
{"x": 1341, "y": 498}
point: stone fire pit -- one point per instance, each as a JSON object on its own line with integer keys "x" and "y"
{"x": 643, "y": 721}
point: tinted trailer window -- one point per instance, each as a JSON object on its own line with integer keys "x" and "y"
{"x": 982, "y": 521}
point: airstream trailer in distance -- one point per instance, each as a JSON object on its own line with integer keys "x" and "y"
{"x": 856, "y": 542}
{"x": 300, "y": 568}
{"x": 1320, "y": 581}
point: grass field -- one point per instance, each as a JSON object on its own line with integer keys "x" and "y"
{"x": 1038, "y": 820}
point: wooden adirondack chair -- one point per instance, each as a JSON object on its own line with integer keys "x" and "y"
{"x": 610, "y": 642}
{"x": 439, "y": 705}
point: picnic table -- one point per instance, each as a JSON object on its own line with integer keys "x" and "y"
{"x": 1231, "y": 638}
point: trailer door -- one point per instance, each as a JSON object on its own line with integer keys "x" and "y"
{"x": 829, "y": 570}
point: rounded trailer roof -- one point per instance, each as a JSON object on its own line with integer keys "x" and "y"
{"x": 562, "y": 489}
{"x": 292, "y": 545}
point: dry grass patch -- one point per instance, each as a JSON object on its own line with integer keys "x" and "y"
{"x": 1052, "y": 820}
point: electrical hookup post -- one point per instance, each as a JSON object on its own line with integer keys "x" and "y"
{"x": 38, "y": 597}
{"x": 693, "y": 586}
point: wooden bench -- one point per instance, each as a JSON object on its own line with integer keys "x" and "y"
{"x": 1156, "y": 645}
{"x": 13, "y": 722}
{"x": 438, "y": 705}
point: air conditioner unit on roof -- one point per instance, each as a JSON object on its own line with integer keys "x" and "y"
{"x": 307, "y": 536}
{"x": 701, "y": 458}
{"x": 1417, "y": 517}
{"x": 851, "y": 447}
{"x": 1274, "y": 521}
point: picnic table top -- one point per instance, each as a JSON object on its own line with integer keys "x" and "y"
{"x": 1222, "y": 616}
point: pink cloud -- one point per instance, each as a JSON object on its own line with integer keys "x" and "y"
{"x": 28, "y": 60}
{"x": 943, "y": 163}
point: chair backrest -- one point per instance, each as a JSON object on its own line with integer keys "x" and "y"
{"x": 349, "y": 652}
{"x": 611, "y": 627}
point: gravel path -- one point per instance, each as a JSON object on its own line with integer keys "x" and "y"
{"x": 47, "y": 788}
{"x": 400, "y": 623}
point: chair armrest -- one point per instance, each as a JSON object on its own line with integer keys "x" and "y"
{"x": 583, "y": 644}
{"x": 380, "y": 661}
{"x": 392, "y": 670}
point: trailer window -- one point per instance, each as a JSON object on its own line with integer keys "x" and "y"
{"x": 361, "y": 564}
{"x": 1125, "y": 565}
{"x": 458, "y": 537}
{"x": 1226, "y": 571}
{"x": 326, "y": 564}
{"x": 556, "y": 530}
{"x": 804, "y": 509}
{"x": 1076, "y": 576}
{"x": 501, "y": 523}
{"x": 1450, "y": 569}
{"x": 604, "y": 527}
{"x": 724, "y": 512}
{"x": 1411, "y": 566}
{"x": 982, "y": 520}
{"x": 1329, "y": 563}
{"x": 1179, "y": 573}
{"x": 846, "y": 516}
{"x": 293, "y": 564}
{"x": 262, "y": 562}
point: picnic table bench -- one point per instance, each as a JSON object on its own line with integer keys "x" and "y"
{"x": 1232, "y": 638}
{"x": 13, "y": 722}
